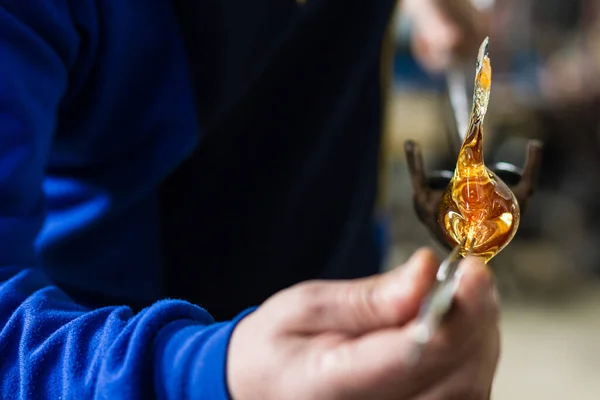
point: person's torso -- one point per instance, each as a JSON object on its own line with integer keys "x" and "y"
{"x": 281, "y": 187}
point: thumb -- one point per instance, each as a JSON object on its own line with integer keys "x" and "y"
{"x": 363, "y": 305}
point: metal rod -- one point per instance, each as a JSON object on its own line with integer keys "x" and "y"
{"x": 459, "y": 100}
{"x": 438, "y": 302}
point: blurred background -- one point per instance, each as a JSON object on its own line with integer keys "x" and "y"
{"x": 546, "y": 85}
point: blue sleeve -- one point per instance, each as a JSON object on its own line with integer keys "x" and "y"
{"x": 51, "y": 347}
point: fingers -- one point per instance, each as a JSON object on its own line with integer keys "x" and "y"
{"x": 475, "y": 307}
{"x": 446, "y": 32}
{"x": 469, "y": 336}
{"x": 473, "y": 378}
{"x": 465, "y": 354}
{"x": 471, "y": 21}
{"x": 434, "y": 48}
{"x": 356, "y": 307}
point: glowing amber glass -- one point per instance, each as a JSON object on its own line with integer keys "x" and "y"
{"x": 477, "y": 205}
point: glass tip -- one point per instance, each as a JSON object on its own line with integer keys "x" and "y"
{"x": 484, "y": 52}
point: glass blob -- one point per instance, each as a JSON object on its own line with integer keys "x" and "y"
{"x": 477, "y": 205}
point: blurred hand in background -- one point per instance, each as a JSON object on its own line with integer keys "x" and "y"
{"x": 445, "y": 32}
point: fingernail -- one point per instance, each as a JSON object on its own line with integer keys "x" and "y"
{"x": 397, "y": 288}
{"x": 460, "y": 272}
{"x": 412, "y": 260}
{"x": 458, "y": 276}
{"x": 403, "y": 284}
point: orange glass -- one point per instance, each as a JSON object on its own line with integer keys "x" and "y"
{"x": 477, "y": 204}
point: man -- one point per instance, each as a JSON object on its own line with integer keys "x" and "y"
{"x": 98, "y": 209}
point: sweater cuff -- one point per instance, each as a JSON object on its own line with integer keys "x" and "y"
{"x": 191, "y": 359}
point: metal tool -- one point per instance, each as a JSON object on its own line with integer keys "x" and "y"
{"x": 438, "y": 302}
{"x": 456, "y": 85}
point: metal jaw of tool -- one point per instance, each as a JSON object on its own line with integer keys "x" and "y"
{"x": 437, "y": 303}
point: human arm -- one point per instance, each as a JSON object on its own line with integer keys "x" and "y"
{"x": 55, "y": 348}
{"x": 51, "y": 347}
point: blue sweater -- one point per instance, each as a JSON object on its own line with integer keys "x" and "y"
{"x": 97, "y": 108}
{"x": 75, "y": 149}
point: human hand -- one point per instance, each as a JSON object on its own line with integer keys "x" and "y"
{"x": 354, "y": 340}
{"x": 570, "y": 76}
{"x": 446, "y": 31}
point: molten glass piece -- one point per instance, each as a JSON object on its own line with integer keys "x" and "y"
{"x": 477, "y": 206}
